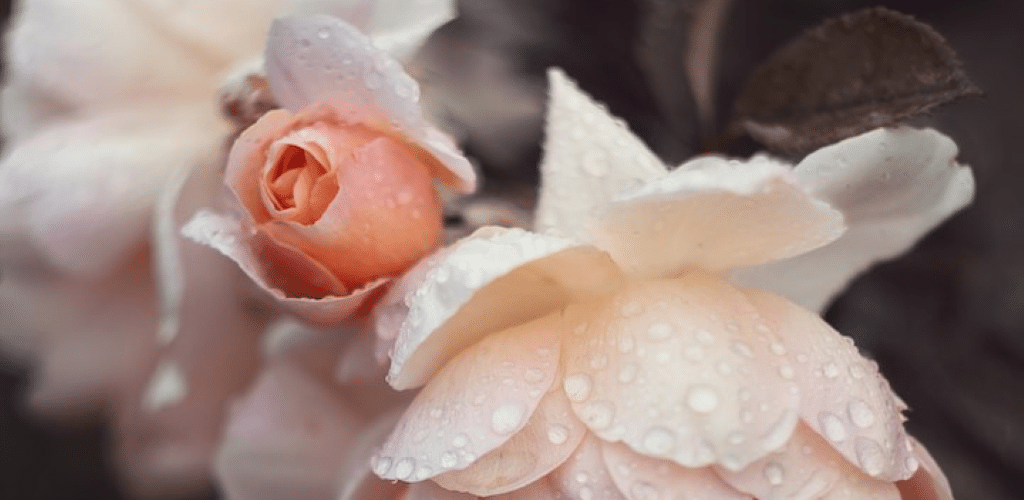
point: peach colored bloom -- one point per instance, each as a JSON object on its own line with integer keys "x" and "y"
{"x": 336, "y": 191}
{"x": 615, "y": 359}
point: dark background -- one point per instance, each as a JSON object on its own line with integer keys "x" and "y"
{"x": 946, "y": 322}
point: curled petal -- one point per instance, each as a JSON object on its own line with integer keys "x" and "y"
{"x": 286, "y": 439}
{"x": 82, "y": 192}
{"x": 460, "y": 294}
{"x": 549, "y": 438}
{"x": 476, "y": 403}
{"x": 928, "y": 483}
{"x": 321, "y": 59}
{"x": 892, "y": 185}
{"x": 585, "y": 476}
{"x": 641, "y": 476}
{"x": 589, "y": 157}
{"x": 227, "y": 236}
{"x": 714, "y": 214}
{"x": 844, "y": 398}
{"x": 679, "y": 369}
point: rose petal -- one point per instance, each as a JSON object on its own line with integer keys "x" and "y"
{"x": 643, "y": 477}
{"x": 844, "y": 398}
{"x": 397, "y": 27}
{"x": 429, "y": 490}
{"x": 83, "y": 191}
{"x": 892, "y": 185}
{"x": 460, "y": 294}
{"x": 549, "y": 438}
{"x": 928, "y": 483}
{"x": 321, "y": 59}
{"x": 543, "y": 489}
{"x": 584, "y": 476}
{"x": 476, "y": 403}
{"x": 714, "y": 214}
{"x": 357, "y": 479}
{"x": 286, "y": 439}
{"x": 589, "y": 157}
{"x": 679, "y": 369}
{"x": 226, "y": 235}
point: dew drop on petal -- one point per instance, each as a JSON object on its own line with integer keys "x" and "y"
{"x": 578, "y": 387}
{"x": 558, "y": 434}
{"x": 702, "y": 399}
{"x": 773, "y": 473}
{"x": 598, "y": 415}
{"x": 404, "y": 468}
{"x": 533, "y": 375}
{"x": 460, "y": 440}
{"x": 659, "y": 441}
{"x": 832, "y": 426}
{"x": 507, "y": 418}
{"x": 860, "y": 414}
{"x": 724, "y": 368}
{"x": 870, "y": 456}
{"x": 627, "y": 373}
{"x": 856, "y": 371}
{"x": 778, "y": 349}
{"x": 599, "y": 361}
{"x": 644, "y": 491}
{"x": 660, "y": 331}
{"x": 694, "y": 353}
{"x": 830, "y": 370}
{"x": 586, "y": 493}
{"x": 382, "y": 465}
{"x": 742, "y": 349}
{"x": 449, "y": 459}
{"x": 323, "y": 34}
{"x": 786, "y": 372}
{"x": 705, "y": 337}
{"x": 911, "y": 464}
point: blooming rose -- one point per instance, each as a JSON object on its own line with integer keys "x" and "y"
{"x": 114, "y": 137}
{"x": 620, "y": 362}
{"x": 337, "y": 189}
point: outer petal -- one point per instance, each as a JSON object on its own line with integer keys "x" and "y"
{"x": 679, "y": 369}
{"x": 714, "y": 214}
{"x": 286, "y": 439}
{"x": 928, "y": 483}
{"x": 845, "y": 399}
{"x": 892, "y": 185}
{"x": 549, "y": 438}
{"x": 227, "y": 235}
{"x": 83, "y": 191}
{"x": 321, "y": 59}
{"x": 460, "y": 294}
{"x": 589, "y": 157}
{"x": 642, "y": 477}
{"x": 584, "y": 476}
{"x": 429, "y": 490}
{"x": 397, "y": 27}
{"x": 478, "y": 402}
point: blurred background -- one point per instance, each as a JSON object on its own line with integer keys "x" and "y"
{"x": 945, "y": 322}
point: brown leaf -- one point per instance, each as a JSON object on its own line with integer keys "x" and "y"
{"x": 851, "y": 74}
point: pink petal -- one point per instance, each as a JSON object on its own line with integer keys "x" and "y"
{"x": 892, "y": 186}
{"x": 286, "y": 439}
{"x": 589, "y": 157}
{"x": 82, "y": 192}
{"x": 641, "y": 477}
{"x": 844, "y": 398}
{"x": 461, "y": 294}
{"x": 357, "y": 480}
{"x": 543, "y": 489}
{"x": 549, "y": 438}
{"x": 679, "y": 369}
{"x": 476, "y": 403}
{"x": 227, "y": 235}
{"x": 928, "y": 483}
{"x": 584, "y": 476}
{"x": 429, "y": 490}
{"x": 321, "y": 59}
{"x": 714, "y": 214}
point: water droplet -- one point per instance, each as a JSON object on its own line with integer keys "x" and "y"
{"x": 660, "y": 331}
{"x": 659, "y": 441}
{"x": 578, "y": 386}
{"x": 598, "y": 415}
{"x": 404, "y": 468}
{"x": 423, "y": 473}
{"x": 404, "y": 197}
{"x": 582, "y": 477}
{"x": 830, "y": 370}
{"x": 419, "y": 436}
{"x": 631, "y": 309}
{"x": 737, "y": 438}
{"x": 662, "y": 357}
{"x": 460, "y": 440}
{"x": 533, "y": 375}
{"x": 724, "y": 368}
{"x": 773, "y": 473}
{"x": 323, "y": 34}
{"x": 580, "y": 329}
{"x": 860, "y": 414}
{"x": 507, "y": 418}
{"x": 626, "y": 343}
{"x": 558, "y": 434}
{"x": 586, "y": 493}
{"x": 705, "y": 337}
{"x": 746, "y": 416}
{"x": 832, "y": 427}
{"x": 786, "y": 372}
{"x": 644, "y": 491}
{"x": 693, "y": 353}
{"x": 381, "y": 465}
{"x": 449, "y": 459}
{"x": 870, "y": 456}
{"x": 778, "y": 349}
{"x": 627, "y": 373}
{"x": 702, "y": 399}
{"x": 801, "y": 358}
{"x": 856, "y": 371}
{"x": 911, "y": 464}
{"x": 599, "y": 361}
{"x": 595, "y": 163}
{"x": 742, "y": 349}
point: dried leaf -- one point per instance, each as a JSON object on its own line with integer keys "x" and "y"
{"x": 873, "y": 68}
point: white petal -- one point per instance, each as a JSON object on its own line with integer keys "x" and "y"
{"x": 892, "y": 185}
{"x": 321, "y": 59}
{"x": 479, "y": 401}
{"x": 681, "y": 370}
{"x": 714, "y": 214}
{"x": 584, "y": 476}
{"x": 928, "y": 483}
{"x": 589, "y": 157}
{"x": 397, "y": 27}
{"x": 83, "y": 191}
{"x": 643, "y": 477}
{"x": 461, "y": 294}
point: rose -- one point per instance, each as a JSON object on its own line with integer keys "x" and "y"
{"x": 637, "y": 364}
{"x": 335, "y": 190}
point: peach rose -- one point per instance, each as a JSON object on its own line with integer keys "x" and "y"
{"x": 336, "y": 191}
